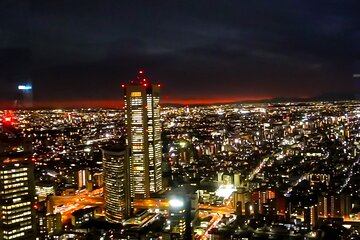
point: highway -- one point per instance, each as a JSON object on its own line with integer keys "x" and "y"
{"x": 217, "y": 209}
{"x": 349, "y": 175}
{"x": 151, "y": 203}
{"x": 66, "y": 205}
{"x": 216, "y": 218}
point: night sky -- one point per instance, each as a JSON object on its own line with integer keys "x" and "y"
{"x": 200, "y": 51}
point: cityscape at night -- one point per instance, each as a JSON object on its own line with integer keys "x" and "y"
{"x": 179, "y": 120}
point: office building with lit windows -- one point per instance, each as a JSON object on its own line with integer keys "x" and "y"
{"x": 179, "y": 217}
{"x": 17, "y": 189}
{"x": 84, "y": 179}
{"x": 116, "y": 183}
{"x": 44, "y": 189}
{"x": 142, "y": 111}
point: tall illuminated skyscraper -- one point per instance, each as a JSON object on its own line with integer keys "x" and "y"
{"x": 143, "y": 136}
{"x": 17, "y": 189}
{"x": 116, "y": 182}
{"x": 180, "y": 216}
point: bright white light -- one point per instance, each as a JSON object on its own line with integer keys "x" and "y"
{"x": 24, "y": 87}
{"x": 225, "y": 191}
{"x": 176, "y": 203}
{"x": 182, "y": 144}
{"x": 51, "y": 174}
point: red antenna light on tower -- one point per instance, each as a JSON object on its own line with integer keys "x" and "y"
{"x": 8, "y": 119}
{"x": 141, "y": 71}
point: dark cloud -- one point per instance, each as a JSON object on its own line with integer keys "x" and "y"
{"x": 85, "y": 49}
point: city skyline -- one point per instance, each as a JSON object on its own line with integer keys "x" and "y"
{"x": 232, "y": 170}
{"x": 179, "y": 120}
{"x": 201, "y": 52}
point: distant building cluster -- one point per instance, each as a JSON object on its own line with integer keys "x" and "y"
{"x": 233, "y": 171}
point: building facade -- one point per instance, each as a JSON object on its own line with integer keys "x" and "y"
{"x": 142, "y": 111}
{"x": 180, "y": 217}
{"x": 117, "y": 198}
{"x": 17, "y": 189}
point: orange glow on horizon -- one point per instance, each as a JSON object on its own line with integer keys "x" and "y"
{"x": 200, "y": 101}
{"x": 117, "y": 103}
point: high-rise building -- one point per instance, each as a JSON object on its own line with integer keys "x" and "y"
{"x": 47, "y": 224}
{"x": 53, "y": 223}
{"x": 44, "y": 189}
{"x": 338, "y": 205}
{"x": 84, "y": 179}
{"x": 99, "y": 179}
{"x": 180, "y": 217}
{"x": 116, "y": 183}
{"x": 143, "y": 136}
{"x": 17, "y": 189}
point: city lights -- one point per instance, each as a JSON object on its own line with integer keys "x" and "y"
{"x": 185, "y": 120}
{"x": 176, "y": 203}
{"x": 227, "y": 180}
{"x": 225, "y": 191}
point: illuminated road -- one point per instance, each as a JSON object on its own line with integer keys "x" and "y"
{"x": 262, "y": 164}
{"x": 215, "y": 221}
{"x": 216, "y": 218}
{"x": 216, "y": 212}
{"x": 151, "y": 203}
{"x": 349, "y": 175}
{"x": 302, "y": 178}
{"x": 66, "y": 205}
{"x": 217, "y": 209}
{"x": 258, "y": 168}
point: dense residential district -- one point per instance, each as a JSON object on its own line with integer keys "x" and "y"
{"x": 233, "y": 171}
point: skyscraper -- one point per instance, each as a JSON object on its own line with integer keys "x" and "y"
{"x": 180, "y": 216}
{"x": 116, "y": 183}
{"x": 143, "y": 136}
{"x": 17, "y": 189}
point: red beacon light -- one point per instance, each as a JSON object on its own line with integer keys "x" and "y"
{"x": 122, "y": 85}
{"x": 159, "y": 85}
{"x": 141, "y": 71}
{"x": 145, "y": 84}
{"x": 8, "y": 120}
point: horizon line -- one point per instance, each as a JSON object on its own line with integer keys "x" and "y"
{"x": 118, "y": 104}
